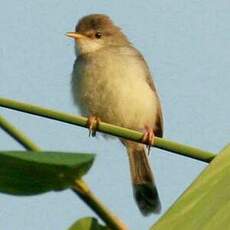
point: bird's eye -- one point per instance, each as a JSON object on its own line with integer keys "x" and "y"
{"x": 98, "y": 35}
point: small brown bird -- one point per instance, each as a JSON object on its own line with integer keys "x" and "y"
{"x": 112, "y": 82}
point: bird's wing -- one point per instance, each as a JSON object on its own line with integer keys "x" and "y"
{"x": 159, "y": 120}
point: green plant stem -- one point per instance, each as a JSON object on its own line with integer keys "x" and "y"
{"x": 114, "y": 130}
{"x": 17, "y": 135}
{"x": 80, "y": 187}
{"x": 92, "y": 201}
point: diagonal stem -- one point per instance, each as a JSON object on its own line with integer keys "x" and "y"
{"x": 114, "y": 130}
{"x": 80, "y": 187}
{"x": 17, "y": 135}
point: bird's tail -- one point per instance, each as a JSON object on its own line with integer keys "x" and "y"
{"x": 144, "y": 188}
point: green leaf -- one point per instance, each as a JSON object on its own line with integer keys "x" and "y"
{"x": 87, "y": 223}
{"x": 206, "y": 203}
{"x": 30, "y": 173}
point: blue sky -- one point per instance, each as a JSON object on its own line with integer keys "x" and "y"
{"x": 186, "y": 44}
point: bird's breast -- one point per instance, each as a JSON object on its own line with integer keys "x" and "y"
{"x": 114, "y": 87}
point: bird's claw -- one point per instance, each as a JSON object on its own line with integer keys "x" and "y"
{"x": 148, "y": 138}
{"x": 93, "y": 123}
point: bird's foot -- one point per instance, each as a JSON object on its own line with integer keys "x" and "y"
{"x": 93, "y": 123}
{"x": 148, "y": 137}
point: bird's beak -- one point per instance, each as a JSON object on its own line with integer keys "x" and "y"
{"x": 75, "y": 35}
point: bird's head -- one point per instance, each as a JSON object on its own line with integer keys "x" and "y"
{"x": 96, "y": 31}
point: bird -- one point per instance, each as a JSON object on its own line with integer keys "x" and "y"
{"x": 111, "y": 82}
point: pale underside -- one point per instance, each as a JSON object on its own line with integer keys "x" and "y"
{"x": 113, "y": 84}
